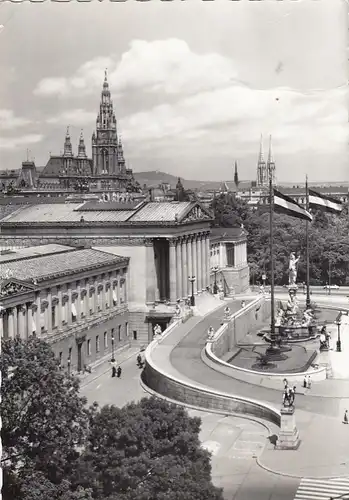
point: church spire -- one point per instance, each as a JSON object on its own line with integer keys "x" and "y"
{"x": 262, "y": 175}
{"x": 106, "y": 118}
{"x": 236, "y": 175}
{"x": 271, "y": 162}
{"x": 121, "y": 159}
{"x": 82, "y": 147}
{"x": 68, "y": 150}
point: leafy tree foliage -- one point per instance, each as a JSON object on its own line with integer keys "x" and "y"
{"x": 146, "y": 450}
{"x": 328, "y": 241}
{"x": 44, "y": 420}
{"x": 56, "y": 448}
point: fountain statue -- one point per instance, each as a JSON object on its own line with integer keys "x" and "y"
{"x": 292, "y": 270}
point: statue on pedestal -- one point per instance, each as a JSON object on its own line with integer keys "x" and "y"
{"x": 292, "y": 270}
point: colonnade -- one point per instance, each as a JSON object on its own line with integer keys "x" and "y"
{"x": 240, "y": 253}
{"x": 60, "y": 306}
{"x": 189, "y": 256}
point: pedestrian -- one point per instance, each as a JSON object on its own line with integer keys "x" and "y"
{"x": 139, "y": 360}
{"x": 309, "y": 382}
{"x": 305, "y": 382}
{"x": 345, "y": 418}
{"x": 118, "y": 372}
{"x": 113, "y": 368}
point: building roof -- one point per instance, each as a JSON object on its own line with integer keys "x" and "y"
{"x": 162, "y": 211}
{"x": 228, "y": 233}
{"x": 68, "y": 212}
{"x": 30, "y": 252}
{"x": 51, "y": 266}
{"x": 142, "y": 213}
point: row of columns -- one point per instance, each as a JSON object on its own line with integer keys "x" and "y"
{"x": 101, "y": 295}
{"x": 240, "y": 253}
{"x": 189, "y": 256}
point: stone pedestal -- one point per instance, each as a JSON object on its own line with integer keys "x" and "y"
{"x": 288, "y": 438}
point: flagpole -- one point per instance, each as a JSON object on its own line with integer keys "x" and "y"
{"x": 271, "y": 229}
{"x": 307, "y": 243}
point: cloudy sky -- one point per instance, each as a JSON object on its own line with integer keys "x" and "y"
{"x": 194, "y": 83}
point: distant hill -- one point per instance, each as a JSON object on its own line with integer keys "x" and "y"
{"x": 154, "y": 178}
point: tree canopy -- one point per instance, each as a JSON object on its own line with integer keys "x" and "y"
{"x": 55, "y": 447}
{"x": 328, "y": 241}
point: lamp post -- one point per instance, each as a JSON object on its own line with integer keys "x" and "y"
{"x": 192, "y": 298}
{"x": 339, "y": 343}
{"x": 215, "y": 288}
{"x": 112, "y": 348}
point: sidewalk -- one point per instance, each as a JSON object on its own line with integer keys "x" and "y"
{"x": 323, "y": 451}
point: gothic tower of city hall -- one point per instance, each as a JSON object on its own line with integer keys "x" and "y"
{"x": 107, "y": 153}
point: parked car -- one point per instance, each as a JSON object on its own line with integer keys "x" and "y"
{"x": 332, "y": 287}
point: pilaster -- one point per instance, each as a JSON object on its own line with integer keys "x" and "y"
{"x": 179, "y": 268}
{"x": 184, "y": 269}
{"x": 199, "y": 254}
{"x": 173, "y": 270}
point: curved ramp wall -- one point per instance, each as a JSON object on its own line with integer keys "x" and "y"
{"x": 170, "y": 384}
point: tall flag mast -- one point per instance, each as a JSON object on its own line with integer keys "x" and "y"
{"x": 307, "y": 244}
{"x": 271, "y": 229}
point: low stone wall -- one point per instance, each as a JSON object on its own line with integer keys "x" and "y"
{"x": 189, "y": 393}
{"x": 234, "y": 331}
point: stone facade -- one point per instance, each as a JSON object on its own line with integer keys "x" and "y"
{"x": 83, "y": 314}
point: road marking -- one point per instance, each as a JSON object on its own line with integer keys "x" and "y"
{"x": 322, "y": 489}
{"x": 98, "y": 386}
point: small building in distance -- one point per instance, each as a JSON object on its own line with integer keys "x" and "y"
{"x": 74, "y": 299}
{"x": 228, "y": 259}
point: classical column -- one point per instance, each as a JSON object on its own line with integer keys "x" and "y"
{"x": 15, "y": 321}
{"x": 87, "y": 298}
{"x": 184, "y": 269}
{"x": 179, "y": 268}
{"x": 199, "y": 266}
{"x": 203, "y": 261}
{"x": 2, "y": 329}
{"x": 173, "y": 270}
{"x": 124, "y": 275}
{"x": 194, "y": 262}
{"x": 111, "y": 300}
{"x": 189, "y": 260}
{"x": 11, "y": 326}
{"x": 59, "y": 306}
{"x": 118, "y": 288}
{"x": 38, "y": 315}
{"x": 208, "y": 265}
{"x": 21, "y": 321}
{"x": 151, "y": 281}
{"x": 95, "y": 295}
{"x": 69, "y": 309}
{"x": 103, "y": 292}
{"x": 49, "y": 312}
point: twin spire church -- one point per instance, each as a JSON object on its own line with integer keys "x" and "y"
{"x": 264, "y": 170}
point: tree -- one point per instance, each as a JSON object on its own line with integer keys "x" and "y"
{"x": 44, "y": 420}
{"x": 229, "y": 211}
{"x": 145, "y": 450}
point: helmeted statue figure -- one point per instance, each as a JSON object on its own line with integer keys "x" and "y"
{"x": 292, "y": 269}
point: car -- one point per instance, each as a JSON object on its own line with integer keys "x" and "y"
{"x": 332, "y": 287}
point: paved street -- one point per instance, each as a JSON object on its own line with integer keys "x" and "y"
{"x": 319, "y": 489}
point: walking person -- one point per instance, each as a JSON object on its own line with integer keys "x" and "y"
{"x": 139, "y": 360}
{"x": 305, "y": 384}
{"x": 309, "y": 382}
{"x": 285, "y": 384}
{"x": 345, "y": 418}
{"x": 113, "y": 368}
{"x": 119, "y": 371}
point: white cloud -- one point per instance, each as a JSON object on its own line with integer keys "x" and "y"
{"x": 24, "y": 140}
{"x": 8, "y": 120}
{"x": 167, "y": 66}
{"x": 75, "y": 117}
{"x": 238, "y": 115}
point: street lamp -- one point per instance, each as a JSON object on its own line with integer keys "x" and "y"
{"x": 112, "y": 348}
{"x": 215, "y": 288}
{"x": 338, "y": 323}
{"x": 192, "y": 298}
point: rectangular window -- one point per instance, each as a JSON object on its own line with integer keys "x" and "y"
{"x": 105, "y": 340}
{"x": 53, "y": 316}
{"x": 126, "y": 329}
{"x": 119, "y": 332}
{"x": 230, "y": 255}
{"x": 134, "y": 334}
{"x": 97, "y": 343}
{"x": 88, "y": 346}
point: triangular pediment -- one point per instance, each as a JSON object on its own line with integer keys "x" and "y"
{"x": 196, "y": 213}
{"x": 13, "y": 286}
